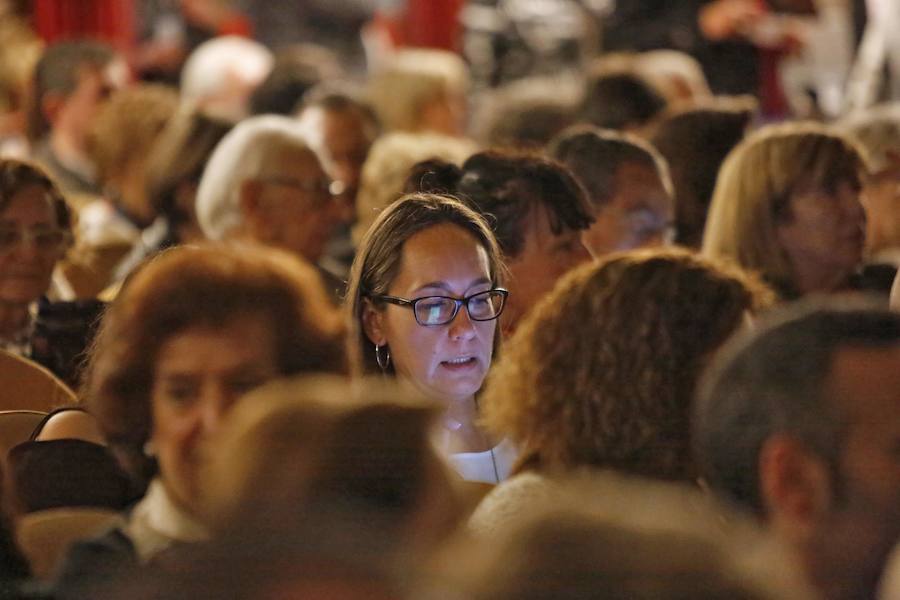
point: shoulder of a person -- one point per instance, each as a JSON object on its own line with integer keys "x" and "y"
{"x": 508, "y": 501}
{"x": 93, "y": 561}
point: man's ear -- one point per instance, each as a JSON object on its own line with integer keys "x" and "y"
{"x": 373, "y": 323}
{"x": 795, "y": 484}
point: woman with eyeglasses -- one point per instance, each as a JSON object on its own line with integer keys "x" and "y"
{"x": 35, "y": 231}
{"x": 424, "y": 296}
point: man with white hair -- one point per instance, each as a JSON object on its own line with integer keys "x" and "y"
{"x": 265, "y": 183}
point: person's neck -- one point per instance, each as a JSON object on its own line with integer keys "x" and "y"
{"x": 13, "y": 318}
{"x": 811, "y": 278}
{"x": 834, "y": 582}
{"x": 460, "y": 421}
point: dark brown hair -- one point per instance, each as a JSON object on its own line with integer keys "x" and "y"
{"x": 505, "y": 187}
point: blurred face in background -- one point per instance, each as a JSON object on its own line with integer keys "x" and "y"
{"x": 545, "y": 257}
{"x": 639, "y": 215}
{"x": 823, "y": 231}
{"x": 345, "y": 136}
{"x": 291, "y": 205}
{"x": 31, "y": 243}
{"x": 200, "y": 373}
{"x": 75, "y": 113}
{"x": 881, "y": 198}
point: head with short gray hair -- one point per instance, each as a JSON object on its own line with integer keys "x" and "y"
{"x": 242, "y": 155}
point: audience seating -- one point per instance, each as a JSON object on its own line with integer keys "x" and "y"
{"x": 45, "y": 536}
{"x": 29, "y": 386}
{"x": 16, "y": 427}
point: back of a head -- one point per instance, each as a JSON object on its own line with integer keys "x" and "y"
{"x": 127, "y": 126}
{"x": 620, "y": 100}
{"x": 878, "y": 130}
{"x": 605, "y": 367}
{"x": 594, "y": 155}
{"x": 773, "y": 380}
{"x": 611, "y": 538}
{"x": 694, "y": 142}
{"x": 527, "y": 113}
{"x": 220, "y": 74}
{"x": 677, "y": 74}
{"x": 295, "y": 71}
{"x": 242, "y": 154}
{"x": 58, "y": 72}
{"x": 505, "y": 187}
{"x": 180, "y": 155}
{"x": 755, "y": 185}
{"x": 314, "y": 442}
{"x": 339, "y": 96}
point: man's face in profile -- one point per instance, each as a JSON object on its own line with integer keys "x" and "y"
{"x": 544, "y": 258}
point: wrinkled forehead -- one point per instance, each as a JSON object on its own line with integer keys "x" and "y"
{"x": 33, "y": 197}
{"x": 287, "y": 160}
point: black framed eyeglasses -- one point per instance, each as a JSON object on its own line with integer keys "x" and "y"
{"x": 440, "y": 310}
{"x": 324, "y": 190}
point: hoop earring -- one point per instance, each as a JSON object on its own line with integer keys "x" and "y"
{"x": 383, "y": 357}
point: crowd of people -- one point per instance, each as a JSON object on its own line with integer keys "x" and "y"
{"x": 296, "y": 331}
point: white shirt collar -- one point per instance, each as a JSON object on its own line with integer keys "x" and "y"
{"x": 157, "y": 522}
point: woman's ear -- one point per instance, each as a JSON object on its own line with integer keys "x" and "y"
{"x": 373, "y": 323}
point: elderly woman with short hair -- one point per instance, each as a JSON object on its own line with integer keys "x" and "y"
{"x": 191, "y": 332}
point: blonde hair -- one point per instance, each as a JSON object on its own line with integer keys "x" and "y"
{"x": 410, "y": 80}
{"x": 388, "y": 165}
{"x": 128, "y": 125}
{"x": 754, "y": 188}
{"x": 878, "y": 130}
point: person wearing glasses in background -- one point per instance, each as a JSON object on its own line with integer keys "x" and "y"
{"x": 264, "y": 183}
{"x": 424, "y": 296}
{"x": 35, "y": 232}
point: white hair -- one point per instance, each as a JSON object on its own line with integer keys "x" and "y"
{"x": 242, "y": 155}
{"x": 220, "y": 73}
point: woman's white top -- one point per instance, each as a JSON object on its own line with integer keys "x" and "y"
{"x": 157, "y": 522}
{"x": 490, "y": 466}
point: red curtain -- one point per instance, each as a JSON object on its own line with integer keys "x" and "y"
{"x": 424, "y": 23}
{"x": 111, "y": 21}
{"x": 433, "y": 23}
